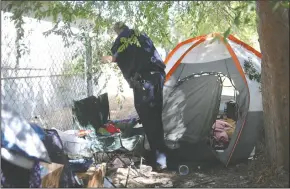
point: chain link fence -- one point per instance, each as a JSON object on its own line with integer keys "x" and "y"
{"x": 40, "y": 82}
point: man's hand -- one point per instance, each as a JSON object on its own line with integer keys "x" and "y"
{"x": 134, "y": 81}
{"x": 107, "y": 59}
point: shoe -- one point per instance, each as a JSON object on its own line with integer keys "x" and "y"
{"x": 159, "y": 169}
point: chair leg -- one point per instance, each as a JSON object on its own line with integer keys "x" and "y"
{"x": 135, "y": 168}
{"x": 95, "y": 158}
{"x": 128, "y": 176}
{"x": 111, "y": 182}
{"x": 132, "y": 164}
{"x": 102, "y": 159}
{"x": 125, "y": 165}
{"x": 113, "y": 157}
{"x": 98, "y": 159}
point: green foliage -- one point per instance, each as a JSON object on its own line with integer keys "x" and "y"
{"x": 165, "y": 22}
{"x": 18, "y": 8}
{"x": 76, "y": 66}
{"x": 125, "y": 42}
{"x": 226, "y": 34}
{"x": 277, "y": 4}
{"x": 196, "y": 18}
{"x": 153, "y": 17}
{"x": 251, "y": 71}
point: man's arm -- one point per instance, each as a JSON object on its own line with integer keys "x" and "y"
{"x": 114, "y": 50}
{"x": 108, "y": 59}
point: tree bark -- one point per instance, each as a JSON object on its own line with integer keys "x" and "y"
{"x": 273, "y": 30}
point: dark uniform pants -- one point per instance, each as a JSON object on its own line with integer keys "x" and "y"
{"x": 149, "y": 103}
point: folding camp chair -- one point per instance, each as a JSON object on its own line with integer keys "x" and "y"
{"x": 92, "y": 113}
{"x": 115, "y": 145}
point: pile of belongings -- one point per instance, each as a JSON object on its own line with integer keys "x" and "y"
{"x": 80, "y": 144}
{"x": 32, "y": 157}
{"x": 123, "y": 126}
{"x": 77, "y": 148}
{"x": 74, "y": 143}
{"x": 108, "y": 129}
{"x": 222, "y": 132}
{"x": 22, "y": 150}
{"x": 83, "y": 133}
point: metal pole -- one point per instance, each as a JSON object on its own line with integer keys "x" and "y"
{"x": 89, "y": 62}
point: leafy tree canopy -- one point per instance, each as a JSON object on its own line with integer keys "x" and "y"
{"x": 166, "y": 22}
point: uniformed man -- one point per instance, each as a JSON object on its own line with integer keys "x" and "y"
{"x": 143, "y": 68}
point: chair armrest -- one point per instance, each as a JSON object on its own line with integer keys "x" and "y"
{"x": 106, "y": 143}
{"x": 132, "y": 141}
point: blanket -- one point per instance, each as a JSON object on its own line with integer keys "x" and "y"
{"x": 223, "y": 131}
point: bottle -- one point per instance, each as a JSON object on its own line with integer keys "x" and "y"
{"x": 183, "y": 170}
{"x": 144, "y": 168}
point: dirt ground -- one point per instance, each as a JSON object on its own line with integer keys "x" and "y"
{"x": 251, "y": 173}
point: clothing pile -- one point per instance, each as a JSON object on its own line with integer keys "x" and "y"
{"x": 34, "y": 157}
{"x": 28, "y": 151}
{"x": 127, "y": 126}
{"x": 123, "y": 126}
{"x": 24, "y": 149}
{"x": 222, "y": 131}
{"x": 21, "y": 151}
{"x": 108, "y": 129}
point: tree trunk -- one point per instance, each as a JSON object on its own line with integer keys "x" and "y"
{"x": 273, "y": 29}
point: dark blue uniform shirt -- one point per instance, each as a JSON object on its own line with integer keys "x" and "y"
{"x": 134, "y": 58}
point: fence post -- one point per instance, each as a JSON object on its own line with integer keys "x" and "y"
{"x": 88, "y": 67}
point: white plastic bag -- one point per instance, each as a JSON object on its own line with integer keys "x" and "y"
{"x": 73, "y": 145}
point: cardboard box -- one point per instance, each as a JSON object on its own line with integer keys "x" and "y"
{"x": 94, "y": 176}
{"x": 50, "y": 174}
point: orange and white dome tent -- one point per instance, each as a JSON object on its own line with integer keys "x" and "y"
{"x": 195, "y": 73}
